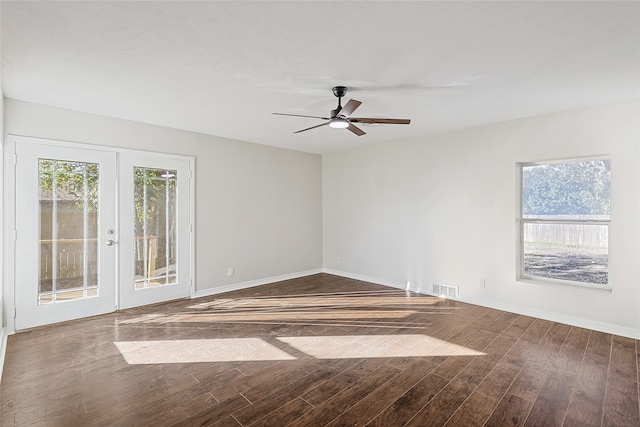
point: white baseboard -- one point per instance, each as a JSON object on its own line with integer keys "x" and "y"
{"x": 511, "y": 308}
{"x": 3, "y": 349}
{"x": 557, "y": 317}
{"x": 377, "y": 281}
{"x": 252, "y": 283}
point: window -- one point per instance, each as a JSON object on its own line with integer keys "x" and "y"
{"x": 564, "y": 221}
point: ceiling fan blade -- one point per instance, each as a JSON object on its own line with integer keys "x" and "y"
{"x": 353, "y": 128}
{"x": 382, "y": 121}
{"x": 312, "y": 127}
{"x": 301, "y": 115}
{"x": 349, "y": 108}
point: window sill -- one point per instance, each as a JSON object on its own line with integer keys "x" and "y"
{"x": 555, "y": 282}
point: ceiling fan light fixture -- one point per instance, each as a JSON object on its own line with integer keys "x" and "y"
{"x": 338, "y": 123}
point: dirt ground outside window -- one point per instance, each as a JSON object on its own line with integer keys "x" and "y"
{"x": 576, "y": 264}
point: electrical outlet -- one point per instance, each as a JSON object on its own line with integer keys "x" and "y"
{"x": 230, "y": 272}
{"x": 338, "y": 260}
{"x": 482, "y": 283}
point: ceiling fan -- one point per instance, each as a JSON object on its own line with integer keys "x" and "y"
{"x": 341, "y": 116}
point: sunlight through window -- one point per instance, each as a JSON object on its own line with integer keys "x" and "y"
{"x": 325, "y": 300}
{"x": 320, "y": 347}
{"x": 370, "y": 346}
{"x": 203, "y": 350}
{"x": 271, "y": 316}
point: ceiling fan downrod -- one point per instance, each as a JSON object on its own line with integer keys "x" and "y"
{"x": 339, "y": 92}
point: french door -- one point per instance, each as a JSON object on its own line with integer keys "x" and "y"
{"x": 97, "y": 231}
{"x": 154, "y": 229}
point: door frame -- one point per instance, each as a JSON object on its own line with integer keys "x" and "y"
{"x": 10, "y": 182}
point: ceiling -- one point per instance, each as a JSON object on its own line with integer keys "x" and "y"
{"x": 222, "y": 68}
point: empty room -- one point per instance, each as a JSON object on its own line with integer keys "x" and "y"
{"x": 320, "y": 213}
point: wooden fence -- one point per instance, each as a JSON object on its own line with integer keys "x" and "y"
{"x": 589, "y": 235}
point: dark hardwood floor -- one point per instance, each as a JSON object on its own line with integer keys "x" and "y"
{"x": 318, "y": 351}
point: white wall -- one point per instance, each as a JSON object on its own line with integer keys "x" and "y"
{"x": 442, "y": 209}
{"x": 435, "y": 209}
{"x": 3, "y": 320}
{"x": 258, "y": 208}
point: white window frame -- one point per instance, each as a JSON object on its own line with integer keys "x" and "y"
{"x": 521, "y": 221}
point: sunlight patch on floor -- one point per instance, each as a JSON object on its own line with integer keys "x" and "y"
{"x": 320, "y": 347}
{"x": 271, "y": 316}
{"x": 325, "y": 300}
{"x": 199, "y": 350}
{"x": 370, "y": 346}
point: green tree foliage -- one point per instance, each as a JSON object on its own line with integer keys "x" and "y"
{"x": 70, "y": 181}
{"x": 78, "y": 181}
{"x": 150, "y": 189}
{"x": 572, "y": 188}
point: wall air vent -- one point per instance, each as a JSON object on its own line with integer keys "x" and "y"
{"x": 446, "y": 291}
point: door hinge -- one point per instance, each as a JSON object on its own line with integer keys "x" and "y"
{"x": 15, "y": 312}
{"x": 15, "y": 159}
{"x": 15, "y": 235}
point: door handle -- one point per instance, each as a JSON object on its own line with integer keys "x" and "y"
{"x": 111, "y": 242}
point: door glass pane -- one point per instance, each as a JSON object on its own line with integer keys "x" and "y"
{"x": 155, "y": 221}
{"x": 68, "y": 219}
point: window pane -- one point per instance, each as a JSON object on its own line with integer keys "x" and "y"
{"x": 576, "y": 190}
{"x": 68, "y": 230}
{"x": 155, "y": 227}
{"x": 574, "y": 252}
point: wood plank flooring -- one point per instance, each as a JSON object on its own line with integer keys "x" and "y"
{"x": 318, "y": 351}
